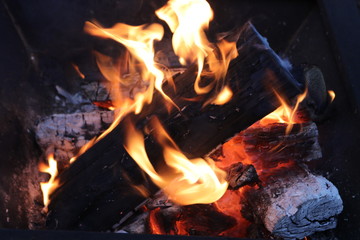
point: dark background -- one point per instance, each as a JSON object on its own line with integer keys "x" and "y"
{"x": 323, "y": 33}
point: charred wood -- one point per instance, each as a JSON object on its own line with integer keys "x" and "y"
{"x": 293, "y": 203}
{"x": 272, "y": 146}
{"x": 239, "y": 175}
{"x": 104, "y": 182}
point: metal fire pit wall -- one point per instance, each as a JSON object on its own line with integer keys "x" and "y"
{"x": 302, "y": 30}
{"x": 62, "y": 235}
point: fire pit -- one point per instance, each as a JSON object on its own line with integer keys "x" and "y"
{"x": 112, "y": 183}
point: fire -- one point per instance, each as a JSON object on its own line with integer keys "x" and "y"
{"x": 188, "y": 20}
{"x": 285, "y": 113}
{"x": 332, "y": 95}
{"x": 223, "y": 97}
{"x": 186, "y": 181}
{"x": 48, "y": 187}
{"x": 76, "y": 67}
{"x": 135, "y": 76}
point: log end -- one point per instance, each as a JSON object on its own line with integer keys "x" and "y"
{"x": 309, "y": 206}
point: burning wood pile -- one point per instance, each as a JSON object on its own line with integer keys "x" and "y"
{"x": 216, "y": 147}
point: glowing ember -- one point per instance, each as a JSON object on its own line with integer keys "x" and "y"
{"x": 48, "y": 187}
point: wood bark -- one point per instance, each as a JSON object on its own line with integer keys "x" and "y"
{"x": 293, "y": 203}
{"x": 100, "y": 187}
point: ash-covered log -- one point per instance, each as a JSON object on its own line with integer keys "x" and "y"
{"x": 64, "y": 134}
{"x": 293, "y": 203}
{"x": 102, "y": 185}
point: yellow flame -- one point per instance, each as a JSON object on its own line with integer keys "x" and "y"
{"x": 186, "y": 181}
{"x": 285, "y": 113}
{"x": 332, "y": 95}
{"x": 223, "y": 97}
{"x": 188, "y": 20}
{"x": 192, "y": 181}
{"x": 48, "y": 187}
{"x": 219, "y": 65}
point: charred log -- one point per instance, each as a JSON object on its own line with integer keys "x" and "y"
{"x": 103, "y": 183}
{"x": 293, "y": 203}
{"x": 272, "y": 146}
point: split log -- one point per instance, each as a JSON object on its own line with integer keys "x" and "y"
{"x": 100, "y": 187}
{"x": 293, "y": 203}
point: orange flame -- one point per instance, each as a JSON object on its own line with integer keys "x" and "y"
{"x": 139, "y": 41}
{"x": 48, "y": 187}
{"x": 196, "y": 180}
{"x": 187, "y": 181}
{"x": 332, "y": 95}
{"x": 76, "y": 67}
{"x": 285, "y": 113}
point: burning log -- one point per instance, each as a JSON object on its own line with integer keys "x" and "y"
{"x": 103, "y": 185}
{"x": 272, "y": 146}
{"x": 293, "y": 203}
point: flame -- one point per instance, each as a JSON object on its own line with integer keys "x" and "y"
{"x": 285, "y": 113}
{"x": 186, "y": 181}
{"x": 332, "y": 95}
{"x": 223, "y": 97}
{"x": 48, "y": 187}
{"x": 76, "y": 67}
{"x": 188, "y": 20}
{"x": 135, "y": 76}
{"x": 139, "y": 41}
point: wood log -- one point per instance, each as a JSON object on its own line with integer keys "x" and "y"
{"x": 293, "y": 203}
{"x": 268, "y": 145}
{"x": 100, "y": 187}
{"x": 65, "y": 134}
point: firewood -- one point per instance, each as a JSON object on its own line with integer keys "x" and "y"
{"x": 101, "y": 184}
{"x": 65, "y": 134}
{"x": 272, "y": 146}
{"x": 293, "y": 203}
